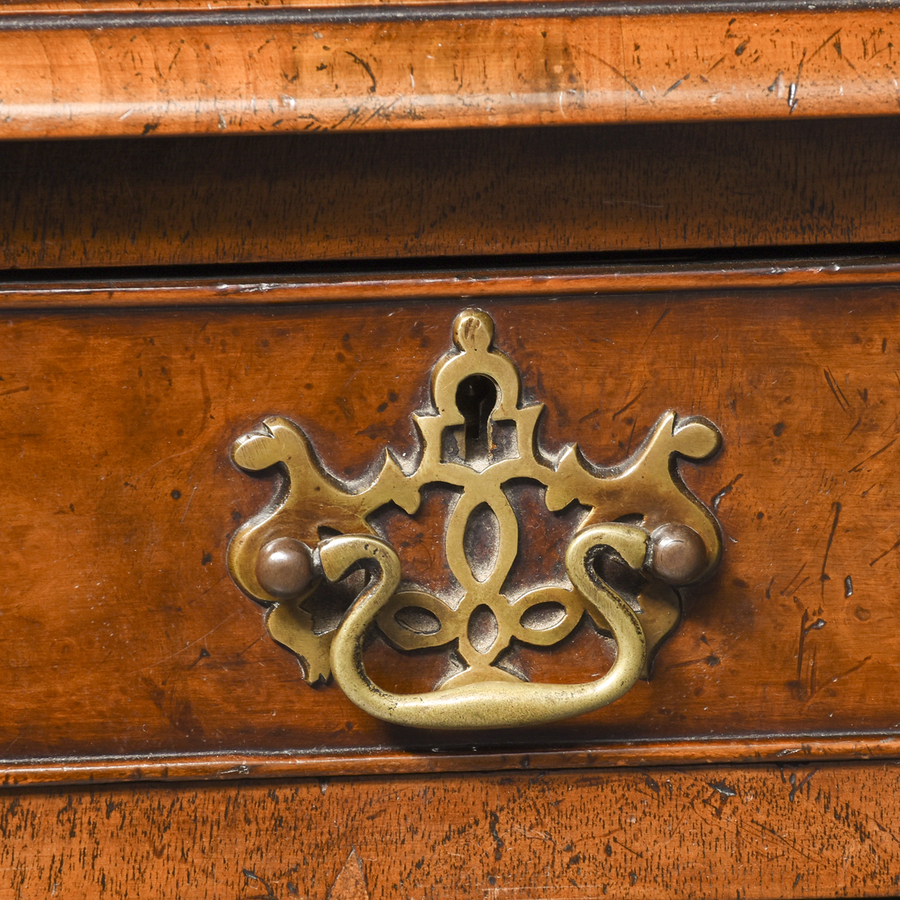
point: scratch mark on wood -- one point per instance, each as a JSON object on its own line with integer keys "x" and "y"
{"x": 624, "y": 78}
{"x": 851, "y": 670}
{"x": 805, "y": 629}
{"x": 252, "y": 876}
{"x": 827, "y": 41}
{"x": 628, "y": 849}
{"x": 721, "y": 788}
{"x": 534, "y": 835}
{"x": 668, "y": 309}
{"x": 367, "y": 67}
{"x": 159, "y": 462}
{"x": 190, "y": 644}
{"x": 836, "y": 389}
{"x": 630, "y": 438}
{"x": 252, "y": 643}
{"x": 847, "y": 435}
{"x": 495, "y": 834}
{"x": 17, "y": 390}
{"x": 187, "y": 505}
{"x": 890, "y": 549}
{"x": 672, "y": 88}
{"x": 892, "y": 426}
{"x": 795, "y": 84}
{"x": 889, "y": 832}
{"x": 631, "y": 402}
{"x": 789, "y": 587}
{"x": 203, "y": 654}
{"x": 717, "y": 499}
{"x": 711, "y": 660}
{"x": 860, "y": 464}
{"x": 798, "y": 785}
{"x": 801, "y": 690}
{"x": 836, "y": 507}
{"x": 766, "y": 829}
{"x": 382, "y": 111}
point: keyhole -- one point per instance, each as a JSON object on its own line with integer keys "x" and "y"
{"x": 476, "y": 397}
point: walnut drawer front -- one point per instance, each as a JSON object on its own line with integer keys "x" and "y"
{"x": 127, "y": 648}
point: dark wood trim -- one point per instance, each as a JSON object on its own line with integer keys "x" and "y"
{"x": 236, "y": 766}
{"x": 424, "y": 285}
{"x": 588, "y": 195}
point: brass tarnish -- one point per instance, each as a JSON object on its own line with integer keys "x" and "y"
{"x": 638, "y": 518}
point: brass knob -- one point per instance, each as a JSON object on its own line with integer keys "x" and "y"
{"x": 677, "y": 554}
{"x": 284, "y": 568}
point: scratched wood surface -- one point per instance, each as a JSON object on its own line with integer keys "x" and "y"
{"x": 384, "y": 9}
{"x": 234, "y": 74}
{"x": 123, "y": 634}
{"x": 764, "y": 832}
{"x": 480, "y": 192}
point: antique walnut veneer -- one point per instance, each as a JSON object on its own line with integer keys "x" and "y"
{"x": 450, "y": 450}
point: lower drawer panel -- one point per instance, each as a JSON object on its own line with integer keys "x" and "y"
{"x": 125, "y": 644}
{"x": 759, "y": 833}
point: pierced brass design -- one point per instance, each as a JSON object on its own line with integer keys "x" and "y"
{"x": 640, "y": 525}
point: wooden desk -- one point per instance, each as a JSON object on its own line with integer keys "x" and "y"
{"x": 639, "y": 246}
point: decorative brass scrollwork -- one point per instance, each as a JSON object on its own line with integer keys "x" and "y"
{"x": 479, "y": 440}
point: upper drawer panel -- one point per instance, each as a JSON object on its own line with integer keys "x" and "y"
{"x": 447, "y": 194}
{"x": 124, "y": 635}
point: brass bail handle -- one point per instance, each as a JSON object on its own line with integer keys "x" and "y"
{"x": 488, "y": 704}
{"x": 479, "y": 439}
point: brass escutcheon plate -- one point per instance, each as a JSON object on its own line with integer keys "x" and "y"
{"x": 478, "y": 440}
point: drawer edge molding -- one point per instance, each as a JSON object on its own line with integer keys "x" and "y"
{"x": 422, "y": 285}
{"x": 238, "y": 765}
{"x": 283, "y": 77}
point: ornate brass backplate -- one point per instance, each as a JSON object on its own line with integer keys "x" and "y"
{"x": 479, "y": 439}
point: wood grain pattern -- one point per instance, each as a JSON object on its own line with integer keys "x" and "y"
{"x": 117, "y": 607}
{"x": 756, "y": 833}
{"x": 447, "y": 194}
{"x": 165, "y": 76}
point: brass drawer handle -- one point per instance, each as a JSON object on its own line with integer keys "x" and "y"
{"x": 493, "y": 703}
{"x": 636, "y": 532}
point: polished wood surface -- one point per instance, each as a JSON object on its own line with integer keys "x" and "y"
{"x": 257, "y": 72}
{"x": 448, "y": 194}
{"x": 162, "y": 295}
{"x": 118, "y": 431}
{"x": 474, "y": 283}
{"x": 761, "y": 832}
